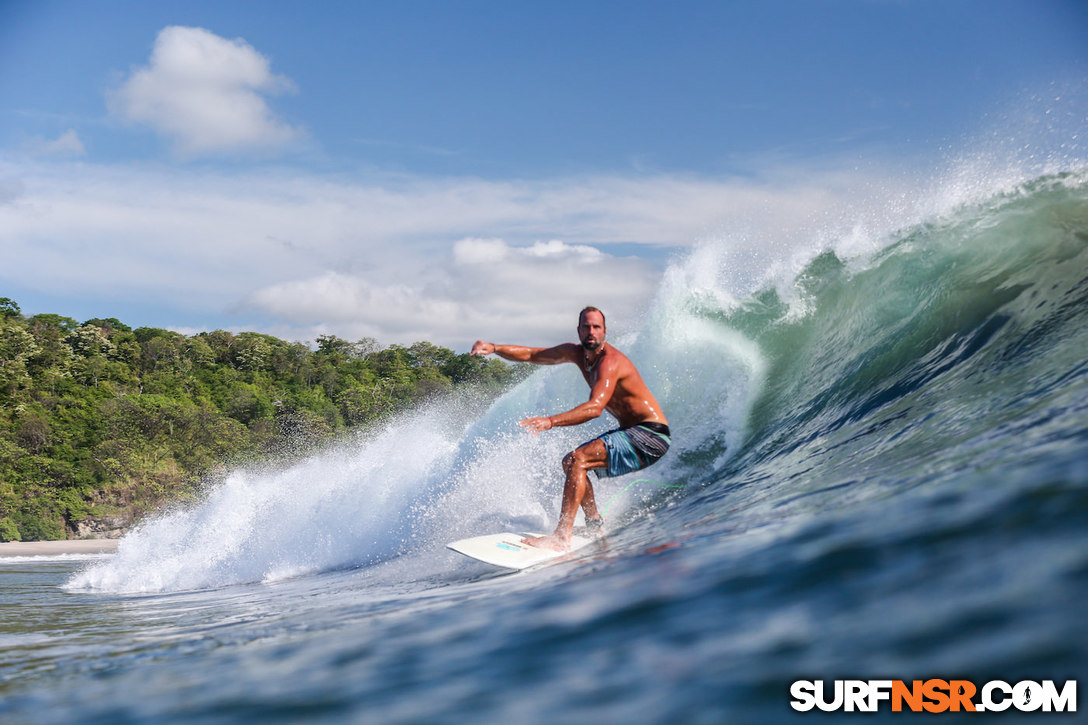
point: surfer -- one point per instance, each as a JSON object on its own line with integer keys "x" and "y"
{"x": 615, "y": 385}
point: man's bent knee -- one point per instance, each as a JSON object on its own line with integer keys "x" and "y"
{"x": 573, "y": 460}
{"x": 586, "y": 457}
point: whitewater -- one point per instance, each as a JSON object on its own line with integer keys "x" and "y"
{"x": 880, "y": 470}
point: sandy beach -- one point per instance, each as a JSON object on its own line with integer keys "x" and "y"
{"x": 55, "y": 548}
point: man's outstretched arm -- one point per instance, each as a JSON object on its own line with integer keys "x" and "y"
{"x": 599, "y": 398}
{"x": 519, "y": 353}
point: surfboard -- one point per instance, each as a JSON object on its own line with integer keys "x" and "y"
{"x": 506, "y": 550}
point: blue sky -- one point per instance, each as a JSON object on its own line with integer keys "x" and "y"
{"x": 449, "y": 170}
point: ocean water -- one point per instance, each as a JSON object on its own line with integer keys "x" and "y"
{"x": 880, "y": 471}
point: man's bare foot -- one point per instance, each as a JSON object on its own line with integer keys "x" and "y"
{"x": 595, "y": 527}
{"x": 551, "y": 542}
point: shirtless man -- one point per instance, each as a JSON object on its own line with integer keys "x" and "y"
{"x": 615, "y": 386}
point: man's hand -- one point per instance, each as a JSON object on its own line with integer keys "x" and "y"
{"x": 536, "y": 424}
{"x": 482, "y": 348}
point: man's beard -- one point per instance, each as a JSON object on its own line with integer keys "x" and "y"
{"x": 590, "y": 346}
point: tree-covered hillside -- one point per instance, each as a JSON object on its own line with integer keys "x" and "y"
{"x": 100, "y": 422}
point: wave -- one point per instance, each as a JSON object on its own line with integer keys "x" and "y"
{"x": 934, "y": 391}
{"x": 962, "y": 318}
{"x": 949, "y": 346}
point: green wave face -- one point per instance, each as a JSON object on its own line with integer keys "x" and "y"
{"x": 957, "y": 351}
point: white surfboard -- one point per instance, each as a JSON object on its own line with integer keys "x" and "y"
{"x": 507, "y": 551}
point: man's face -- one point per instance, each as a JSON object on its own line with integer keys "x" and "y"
{"x": 591, "y": 330}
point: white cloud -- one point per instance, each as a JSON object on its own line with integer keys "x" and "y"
{"x": 206, "y": 93}
{"x": 396, "y": 258}
{"x": 518, "y": 295}
{"x": 479, "y": 251}
{"x": 10, "y": 190}
{"x": 485, "y": 251}
{"x": 557, "y": 249}
{"x": 67, "y": 144}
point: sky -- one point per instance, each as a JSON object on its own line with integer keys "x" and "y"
{"x": 455, "y": 170}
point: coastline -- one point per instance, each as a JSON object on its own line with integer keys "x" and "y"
{"x": 56, "y": 548}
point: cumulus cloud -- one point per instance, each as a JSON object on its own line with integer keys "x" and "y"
{"x": 392, "y": 257}
{"x": 479, "y": 251}
{"x": 480, "y": 288}
{"x": 205, "y": 93}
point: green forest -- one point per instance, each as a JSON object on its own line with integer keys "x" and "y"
{"x": 101, "y": 423}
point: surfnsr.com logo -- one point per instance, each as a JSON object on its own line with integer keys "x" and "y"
{"x": 934, "y": 696}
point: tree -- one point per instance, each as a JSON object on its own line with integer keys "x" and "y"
{"x": 334, "y": 349}
{"x": 101, "y": 420}
{"x": 252, "y": 352}
{"x": 427, "y": 355}
{"x": 9, "y": 308}
{"x": 17, "y": 346}
{"x": 220, "y": 341}
{"x": 109, "y": 324}
{"x": 89, "y": 340}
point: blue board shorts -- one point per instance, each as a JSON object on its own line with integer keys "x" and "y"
{"x": 632, "y": 449}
